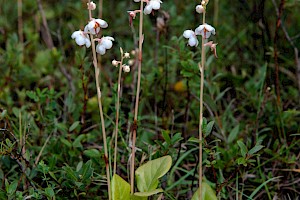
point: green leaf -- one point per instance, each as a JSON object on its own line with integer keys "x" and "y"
{"x": 150, "y": 193}
{"x": 49, "y": 192}
{"x": 66, "y": 142}
{"x": 255, "y": 149}
{"x": 70, "y": 173}
{"x": 233, "y": 134}
{"x": 243, "y": 147}
{"x": 87, "y": 171}
{"x": 92, "y": 153}
{"x": 207, "y": 193}
{"x": 77, "y": 141}
{"x": 74, "y": 126}
{"x": 120, "y": 188}
{"x": 148, "y": 174}
{"x": 166, "y": 137}
{"x": 12, "y": 187}
{"x": 209, "y": 128}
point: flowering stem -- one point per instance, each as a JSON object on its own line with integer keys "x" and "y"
{"x": 97, "y": 72}
{"x": 117, "y": 114}
{"x": 201, "y": 68}
{"x": 140, "y": 55}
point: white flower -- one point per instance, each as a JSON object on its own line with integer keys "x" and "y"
{"x": 91, "y": 6}
{"x": 199, "y": 9}
{"x": 136, "y": 0}
{"x": 81, "y": 38}
{"x": 189, "y": 34}
{"x": 126, "y": 68}
{"x": 126, "y": 55}
{"x": 205, "y": 30}
{"x": 152, "y": 5}
{"x": 104, "y": 44}
{"x": 115, "y": 63}
{"x": 95, "y": 25}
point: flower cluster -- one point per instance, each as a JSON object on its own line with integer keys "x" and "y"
{"x": 125, "y": 67}
{"x": 205, "y": 30}
{"x": 93, "y": 28}
{"x": 151, "y": 5}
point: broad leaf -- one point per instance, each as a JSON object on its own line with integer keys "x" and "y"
{"x": 120, "y": 188}
{"x": 148, "y": 174}
{"x": 92, "y": 153}
{"x": 150, "y": 193}
{"x": 207, "y": 193}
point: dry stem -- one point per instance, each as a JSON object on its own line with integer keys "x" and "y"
{"x": 201, "y": 68}
{"x": 97, "y": 73}
{"x": 137, "y": 98}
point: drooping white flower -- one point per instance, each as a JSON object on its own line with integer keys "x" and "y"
{"x": 104, "y": 44}
{"x": 152, "y": 5}
{"x": 205, "y": 30}
{"x": 200, "y": 9}
{"x": 81, "y": 38}
{"x": 189, "y": 34}
{"x": 136, "y": 0}
{"x": 95, "y": 25}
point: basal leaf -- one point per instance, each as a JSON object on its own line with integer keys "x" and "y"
{"x": 207, "y": 193}
{"x": 148, "y": 194}
{"x": 148, "y": 174}
{"x": 120, "y": 188}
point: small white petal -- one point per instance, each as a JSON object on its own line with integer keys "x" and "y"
{"x": 199, "y": 30}
{"x": 193, "y": 42}
{"x": 107, "y": 43}
{"x": 148, "y": 9}
{"x": 100, "y": 49}
{"x": 87, "y": 43}
{"x": 188, "y": 33}
{"x": 102, "y": 23}
{"x": 76, "y": 34}
{"x": 155, "y": 5}
{"x": 80, "y": 40}
{"x": 136, "y": 0}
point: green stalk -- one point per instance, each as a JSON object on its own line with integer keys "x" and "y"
{"x": 117, "y": 114}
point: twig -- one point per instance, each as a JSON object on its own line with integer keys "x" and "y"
{"x": 20, "y": 21}
{"x": 276, "y": 37}
{"x": 46, "y": 34}
{"x": 290, "y": 40}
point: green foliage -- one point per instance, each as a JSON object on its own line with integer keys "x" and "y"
{"x": 50, "y": 138}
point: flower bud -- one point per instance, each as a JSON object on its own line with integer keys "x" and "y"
{"x": 126, "y": 55}
{"x": 91, "y": 6}
{"x": 199, "y": 9}
{"x": 126, "y": 68}
{"x": 115, "y": 63}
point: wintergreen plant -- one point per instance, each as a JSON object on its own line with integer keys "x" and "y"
{"x": 205, "y": 30}
{"x": 150, "y": 6}
{"x": 86, "y": 37}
